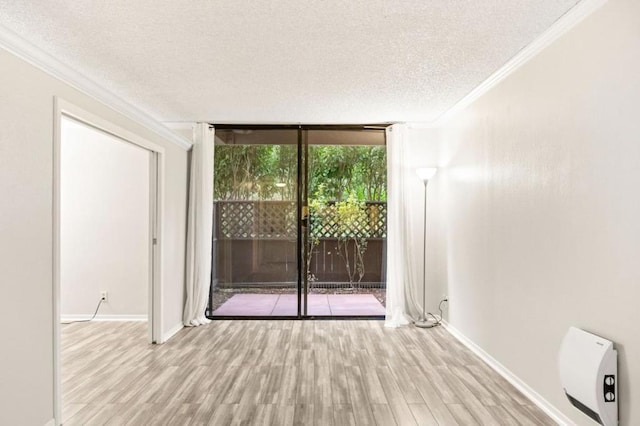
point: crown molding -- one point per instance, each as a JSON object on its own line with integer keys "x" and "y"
{"x": 422, "y": 124}
{"x": 563, "y": 24}
{"x": 42, "y": 60}
{"x": 37, "y": 57}
{"x": 179, "y": 125}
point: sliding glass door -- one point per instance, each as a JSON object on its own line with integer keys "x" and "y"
{"x": 299, "y": 222}
{"x": 346, "y": 237}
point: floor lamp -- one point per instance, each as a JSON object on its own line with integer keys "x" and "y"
{"x": 425, "y": 173}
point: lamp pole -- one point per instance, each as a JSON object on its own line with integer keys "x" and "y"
{"x": 424, "y": 255}
{"x": 425, "y": 174}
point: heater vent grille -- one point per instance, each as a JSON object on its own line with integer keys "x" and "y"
{"x": 580, "y": 406}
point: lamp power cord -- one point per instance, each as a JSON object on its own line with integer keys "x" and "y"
{"x": 87, "y": 320}
{"x": 438, "y": 321}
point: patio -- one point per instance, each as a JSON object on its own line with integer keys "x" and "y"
{"x": 251, "y": 304}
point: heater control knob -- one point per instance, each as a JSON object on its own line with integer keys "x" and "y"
{"x": 609, "y": 390}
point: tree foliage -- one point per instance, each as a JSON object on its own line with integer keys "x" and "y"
{"x": 347, "y": 216}
{"x": 247, "y": 172}
{"x": 351, "y": 245}
{"x": 269, "y": 172}
{"x": 358, "y": 171}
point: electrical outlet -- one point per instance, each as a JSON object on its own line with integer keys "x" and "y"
{"x": 104, "y": 295}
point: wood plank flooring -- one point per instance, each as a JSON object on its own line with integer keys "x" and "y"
{"x": 277, "y": 373}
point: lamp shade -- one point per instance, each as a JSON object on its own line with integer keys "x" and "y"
{"x": 426, "y": 173}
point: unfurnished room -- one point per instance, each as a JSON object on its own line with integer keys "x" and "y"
{"x": 320, "y": 213}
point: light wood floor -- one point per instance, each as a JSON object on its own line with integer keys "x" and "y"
{"x": 282, "y": 373}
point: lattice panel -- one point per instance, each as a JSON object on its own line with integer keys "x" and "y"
{"x": 377, "y": 224}
{"x": 374, "y": 225}
{"x": 249, "y": 219}
{"x": 277, "y": 220}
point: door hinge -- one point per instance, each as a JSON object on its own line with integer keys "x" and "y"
{"x": 155, "y": 241}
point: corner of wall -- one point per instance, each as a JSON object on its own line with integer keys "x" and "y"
{"x": 172, "y": 332}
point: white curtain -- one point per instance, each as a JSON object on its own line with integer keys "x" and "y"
{"x": 199, "y": 227}
{"x": 402, "y": 277}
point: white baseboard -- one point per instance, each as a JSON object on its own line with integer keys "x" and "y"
{"x": 172, "y": 332}
{"x": 529, "y": 392}
{"x": 65, "y": 318}
{"x": 51, "y": 422}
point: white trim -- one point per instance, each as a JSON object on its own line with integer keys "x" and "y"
{"x": 153, "y": 234}
{"x": 37, "y": 57}
{"x": 527, "y": 390}
{"x": 42, "y": 60}
{"x": 422, "y": 125}
{"x": 566, "y": 22}
{"x": 157, "y": 250}
{"x": 63, "y": 108}
{"x": 57, "y": 364}
{"x": 65, "y": 318}
{"x": 99, "y": 123}
{"x": 179, "y": 125}
{"x": 172, "y": 332}
{"x": 51, "y": 422}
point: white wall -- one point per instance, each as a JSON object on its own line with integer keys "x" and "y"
{"x": 541, "y": 199}
{"x": 26, "y": 229}
{"x": 104, "y": 234}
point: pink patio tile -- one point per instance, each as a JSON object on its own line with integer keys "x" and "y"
{"x": 318, "y": 304}
{"x": 248, "y": 305}
{"x": 355, "y": 304}
{"x": 287, "y": 305}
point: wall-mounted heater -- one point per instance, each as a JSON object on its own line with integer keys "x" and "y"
{"x": 589, "y": 374}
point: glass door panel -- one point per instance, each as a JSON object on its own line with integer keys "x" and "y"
{"x": 345, "y": 254}
{"x": 255, "y": 258}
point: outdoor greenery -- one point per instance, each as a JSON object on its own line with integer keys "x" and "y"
{"x": 351, "y": 246}
{"x": 251, "y": 172}
{"x": 269, "y": 172}
{"x": 348, "y": 171}
{"x": 341, "y": 180}
{"x": 348, "y": 214}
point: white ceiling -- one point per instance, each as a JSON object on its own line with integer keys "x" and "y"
{"x": 286, "y": 61}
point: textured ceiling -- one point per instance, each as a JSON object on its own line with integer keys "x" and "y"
{"x": 287, "y": 61}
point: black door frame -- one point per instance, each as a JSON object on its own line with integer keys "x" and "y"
{"x": 302, "y": 212}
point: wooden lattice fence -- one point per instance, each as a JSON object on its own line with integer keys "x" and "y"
{"x": 277, "y": 220}
{"x": 250, "y": 220}
{"x": 255, "y": 244}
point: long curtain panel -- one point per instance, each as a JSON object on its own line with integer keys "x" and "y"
{"x": 199, "y": 227}
{"x": 402, "y": 278}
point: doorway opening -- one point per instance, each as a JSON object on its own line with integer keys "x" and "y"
{"x": 299, "y": 222}
{"x": 107, "y": 195}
